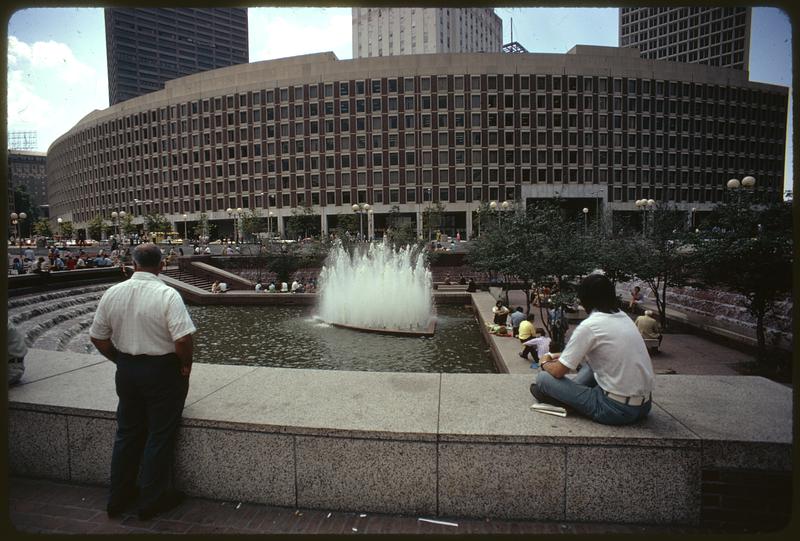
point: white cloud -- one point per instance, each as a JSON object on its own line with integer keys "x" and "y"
{"x": 49, "y": 89}
{"x": 294, "y": 33}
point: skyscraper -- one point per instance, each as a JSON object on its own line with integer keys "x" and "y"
{"x": 396, "y": 31}
{"x": 148, "y": 46}
{"x": 716, "y": 36}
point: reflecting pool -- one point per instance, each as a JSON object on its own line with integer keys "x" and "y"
{"x": 291, "y": 337}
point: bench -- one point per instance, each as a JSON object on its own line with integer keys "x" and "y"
{"x": 651, "y": 344}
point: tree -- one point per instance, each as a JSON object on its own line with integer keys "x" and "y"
{"x": 304, "y": 223}
{"x": 42, "y": 228}
{"x": 662, "y": 255}
{"x": 157, "y": 222}
{"x": 481, "y": 218}
{"x": 67, "y": 229}
{"x": 126, "y": 225}
{"x": 251, "y": 223}
{"x": 432, "y": 217}
{"x": 540, "y": 245}
{"x": 204, "y": 229}
{"x": 24, "y": 203}
{"x": 96, "y": 227}
{"x": 748, "y": 250}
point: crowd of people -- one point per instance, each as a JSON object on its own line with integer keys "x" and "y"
{"x": 63, "y": 259}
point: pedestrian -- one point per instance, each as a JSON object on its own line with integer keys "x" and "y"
{"x": 143, "y": 327}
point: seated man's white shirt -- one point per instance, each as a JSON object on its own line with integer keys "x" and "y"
{"x": 612, "y": 346}
{"x": 142, "y": 316}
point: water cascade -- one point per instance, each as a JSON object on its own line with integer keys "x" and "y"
{"x": 376, "y": 289}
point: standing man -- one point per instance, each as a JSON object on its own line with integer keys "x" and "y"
{"x": 143, "y": 327}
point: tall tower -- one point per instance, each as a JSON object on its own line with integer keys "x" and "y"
{"x": 715, "y": 36}
{"x": 148, "y": 46}
{"x": 396, "y": 31}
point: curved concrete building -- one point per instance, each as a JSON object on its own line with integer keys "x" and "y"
{"x": 598, "y": 126}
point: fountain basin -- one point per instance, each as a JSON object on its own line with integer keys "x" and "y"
{"x": 429, "y": 330}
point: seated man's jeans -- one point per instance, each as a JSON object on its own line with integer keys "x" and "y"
{"x": 584, "y": 395}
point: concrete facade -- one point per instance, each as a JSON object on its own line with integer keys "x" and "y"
{"x": 715, "y": 36}
{"x": 598, "y": 125}
{"x": 397, "y": 31}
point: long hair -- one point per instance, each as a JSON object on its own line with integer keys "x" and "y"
{"x": 596, "y": 292}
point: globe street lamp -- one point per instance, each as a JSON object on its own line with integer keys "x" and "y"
{"x": 585, "y": 220}
{"x": 60, "y": 221}
{"x": 644, "y": 205}
{"x": 747, "y": 183}
{"x": 15, "y": 219}
{"x": 360, "y": 209}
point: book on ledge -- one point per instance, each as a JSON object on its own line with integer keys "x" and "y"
{"x": 549, "y": 409}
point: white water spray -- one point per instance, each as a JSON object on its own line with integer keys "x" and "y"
{"x": 378, "y": 288}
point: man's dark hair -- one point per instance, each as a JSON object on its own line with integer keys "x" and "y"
{"x": 596, "y": 292}
{"x": 519, "y": 308}
{"x": 147, "y": 256}
{"x": 531, "y": 317}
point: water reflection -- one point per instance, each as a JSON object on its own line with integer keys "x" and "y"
{"x": 289, "y": 336}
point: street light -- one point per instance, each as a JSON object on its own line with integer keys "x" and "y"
{"x": 747, "y": 183}
{"x": 645, "y": 205}
{"x": 15, "y": 219}
{"x": 360, "y": 209}
{"x": 184, "y": 216}
{"x": 585, "y": 220}
{"x": 269, "y": 225}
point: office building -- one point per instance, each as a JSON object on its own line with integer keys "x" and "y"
{"x": 147, "y": 46}
{"x": 399, "y": 31}
{"x": 28, "y": 169}
{"x": 598, "y": 126}
{"x": 715, "y": 36}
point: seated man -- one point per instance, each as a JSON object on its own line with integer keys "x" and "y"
{"x": 615, "y": 381}
{"x": 517, "y": 317}
{"x": 649, "y": 327}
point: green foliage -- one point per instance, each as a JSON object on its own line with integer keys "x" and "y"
{"x": 540, "y": 246}
{"x": 96, "y": 227}
{"x": 204, "y": 228}
{"x": 662, "y": 256}
{"x": 67, "y": 229}
{"x": 432, "y": 218}
{"x": 42, "y": 228}
{"x": 126, "y": 225}
{"x": 748, "y": 250}
{"x": 157, "y": 222}
{"x": 481, "y": 219}
{"x": 251, "y": 223}
{"x": 303, "y": 223}
{"x": 24, "y": 203}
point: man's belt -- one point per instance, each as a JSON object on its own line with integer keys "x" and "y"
{"x": 628, "y": 400}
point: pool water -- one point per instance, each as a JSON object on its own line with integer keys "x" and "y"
{"x": 292, "y": 337}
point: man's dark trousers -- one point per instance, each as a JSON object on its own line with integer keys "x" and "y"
{"x": 151, "y": 393}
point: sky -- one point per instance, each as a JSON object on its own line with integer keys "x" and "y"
{"x": 57, "y": 63}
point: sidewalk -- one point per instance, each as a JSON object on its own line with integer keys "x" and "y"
{"x": 37, "y": 506}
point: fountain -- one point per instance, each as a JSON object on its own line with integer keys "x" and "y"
{"x": 377, "y": 290}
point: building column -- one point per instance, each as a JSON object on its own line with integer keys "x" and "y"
{"x": 419, "y": 222}
{"x": 280, "y": 225}
{"x": 323, "y": 217}
{"x": 468, "y": 232}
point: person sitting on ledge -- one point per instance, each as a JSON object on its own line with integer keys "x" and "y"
{"x": 223, "y": 287}
{"x": 649, "y": 327}
{"x": 284, "y": 287}
{"x": 636, "y": 297}
{"x": 471, "y": 287}
{"x": 215, "y": 287}
{"x": 500, "y": 313}
{"x": 259, "y": 287}
{"x": 517, "y": 317}
{"x": 271, "y": 287}
{"x": 541, "y": 344}
{"x": 615, "y": 381}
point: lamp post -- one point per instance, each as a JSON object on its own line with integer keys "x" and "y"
{"x": 360, "y": 209}
{"x": 747, "y": 183}
{"x": 15, "y": 219}
{"x": 236, "y": 215}
{"x": 645, "y": 205}
{"x": 60, "y": 221}
{"x": 184, "y": 216}
{"x": 269, "y": 224}
{"x": 585, "y": 220}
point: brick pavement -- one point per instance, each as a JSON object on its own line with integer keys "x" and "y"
{"x": 41, "y": 506}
